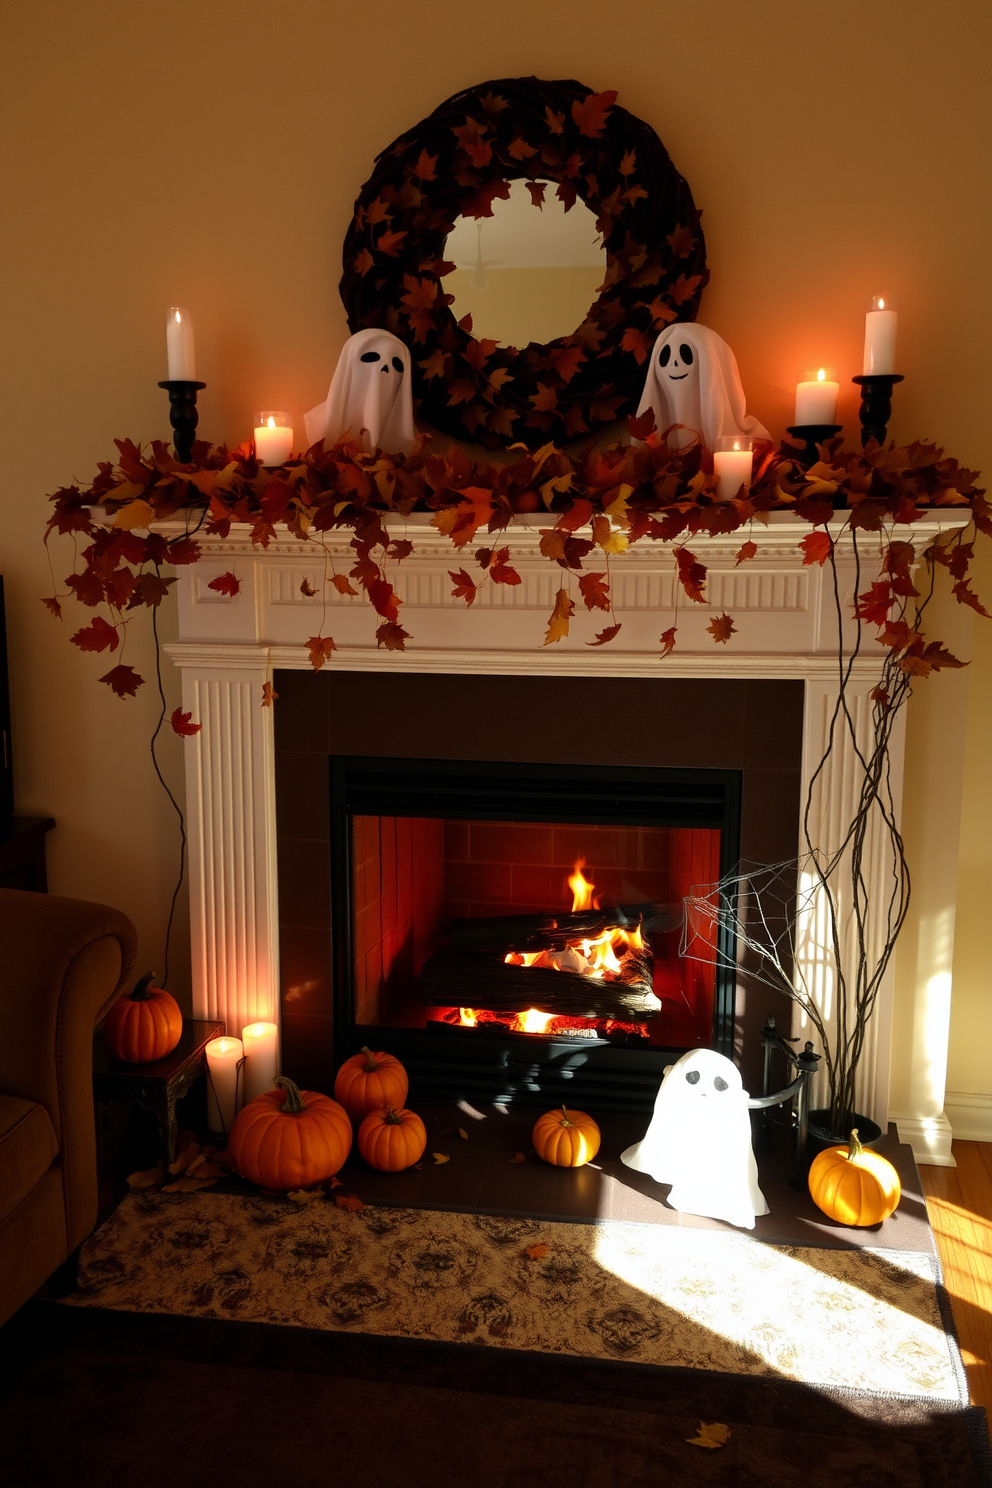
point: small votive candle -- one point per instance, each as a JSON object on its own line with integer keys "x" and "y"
{"x": 880, "y": 336}
{"x": 273, "y": 437}
{"x": 732, "y": 459}
{"x": 223, "y": 1057}
{"x": 261, "y": 1044}
{"x": 179, "y": 345}
{"x": 816, "y": 398}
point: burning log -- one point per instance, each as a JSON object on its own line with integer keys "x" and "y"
{"x": 557, "y": 929}
{"x": 454, "y": 977}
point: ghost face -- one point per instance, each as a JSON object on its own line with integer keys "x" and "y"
{"x": 370, "y": 396}
{"x": 387, "y": 363}
{"x": 677, "y": 363}
{"x": 677, "y": 378}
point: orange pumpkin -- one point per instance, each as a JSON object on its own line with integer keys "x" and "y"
{"x": 369, "y": 1081}
{"x": 566, "y": 1138}
{"x": 147, "y": 1024}
{"x": 854, "y": 1185}
{"x": 290, "y": 1138}
{"x": 392, "y": 1139}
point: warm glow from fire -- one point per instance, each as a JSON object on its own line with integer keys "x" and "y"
{"x": 468, "y": 1017}
{"x": 582, "y": 890}
{"x": 533, "y": 1022}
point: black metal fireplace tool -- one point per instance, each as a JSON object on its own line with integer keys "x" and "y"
{"x": 805, "y": 1065}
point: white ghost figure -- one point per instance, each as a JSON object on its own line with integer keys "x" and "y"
{"x": 692, "y": 379}
{"x": 371, "y": 392}
{"x": 699, "y": 1141}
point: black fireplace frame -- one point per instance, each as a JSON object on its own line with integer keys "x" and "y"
{"x": 523, "y": 1068}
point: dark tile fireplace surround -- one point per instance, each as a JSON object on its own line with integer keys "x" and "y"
{"x": 751, "y": 728}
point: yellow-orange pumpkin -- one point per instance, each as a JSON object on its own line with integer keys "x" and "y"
{"x": 566, "y": 1138}
{"x": 392, "y": 1139}
{"x": 290, "y": 1138}
{"x": 368, "y": 1081}
{"x": 147, "y": 1024}
{"x": 854, "y": 1185}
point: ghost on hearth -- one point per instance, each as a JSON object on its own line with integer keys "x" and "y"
{"x": 692, "y": 380}
{"x": 699, "y": 1141}
{"x": 370, "y": 396}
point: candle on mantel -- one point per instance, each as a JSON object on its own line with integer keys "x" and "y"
{"x": 816, "y": 398}
{"x": 223, "y": 1057}
{"x": 179, "y": 345}
{"x": 273, "y": 437}
{"x": 880, "y": 336}
{"x": 261, "y": 1043}
{"x": 732, "y": 459}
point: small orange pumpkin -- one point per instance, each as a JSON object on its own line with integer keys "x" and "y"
{"x": 854, "y": 1185}
{"x": 146, "y": 1024}
{"x": 392, "y": 1139}
{"x": 566, "y": 1138}
{"x": 290, "y": 1138}
{"x": 368, "y": 1081}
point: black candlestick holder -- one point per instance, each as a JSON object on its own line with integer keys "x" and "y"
{"x": 183, "y": 416}
{"x": 811, "y": 435}
{"x": 876, "y": 404}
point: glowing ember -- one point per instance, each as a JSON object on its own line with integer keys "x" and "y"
{"x": 532, "y": 1021}
{"x": 468, "y": 1017}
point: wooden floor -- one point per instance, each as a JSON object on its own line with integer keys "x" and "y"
{"x": 959, "y": 1202}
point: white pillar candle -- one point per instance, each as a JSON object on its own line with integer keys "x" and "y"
{"x": 273, "y": 438}
{"x": 179, "y": 345}
{"x": 732, "y": 462}
{"x": 816, "y": 398}
{"x": 880, "y": 335}
{"x": 223, "y": 1055}
{"x": 261, "y": 1043}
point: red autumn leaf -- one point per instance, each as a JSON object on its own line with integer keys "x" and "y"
{"x": 566, "y": 361}
{"x": 692, "y": 574}
{"x": 537, "y": 189}
{"x": 98, "y": 636}
{"x": 269, "y": 695}
{"x": 500, "y": 571}
{"x": 668, "y": 641}
{"x": 554, "y": 121}
{"x": 964, "y": 594}
{"x": 342, "y": 585}
{"x": 400, "y": 548}
{"x": 351, "y": 1202}
{"x": 418, "y": 299}
{"x": 897, "y": 564}
{"x": 545, "y": 399}
{"x": 817, "y": 547}
{"x": 319, "y": 649}
{"x": 436, "y": 365}
{"x": 183, "y": 724}
{"x": 87, "y": 587}
{"x": 637, "y": 343}
{"x": 595, "y": 591}
{"x": 307, "y": 589}
{"x": 721, "y": 628}
{"x": 481, "y": 205}
{"x": 745, "y": 553}
{"x": 641, "y": 425}
{"x": 566, "y": 194}
{"x": 123, "y": 680}
{"x": 477, "y": 353}
{"x": 591, "y": 114}
{"x": 389, "y": 242}
{"x": 392, "y": 636}
{"x": 377, "y": 211}
{"x": 150, "y": 589}
{"x": 880, "y": 696}
{"x": 426, "y": 167}
{"x": 939, "y": 657}
{"x": 362, "y": 262}
{"x": 685, "y": 287}
{"x": 519, "y": 149}
{"x": 183, "y": 550}
{"x": 609, "y": 634}
{"x": 53, "y": 607}
{"x": 226, "y": 583}
{"x": 874, "y": 605}
{"x": 464, "y": 585}
{"x": 384, "y": 600}
{"x": 628, "y": 163}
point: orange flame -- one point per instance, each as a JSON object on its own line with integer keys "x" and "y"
{"x": 582, "y": 889}
{"x": 533, "y": 1021}
{"x": 468, "y": 1017}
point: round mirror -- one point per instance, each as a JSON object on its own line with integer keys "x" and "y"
{"x": 528, "y": 273}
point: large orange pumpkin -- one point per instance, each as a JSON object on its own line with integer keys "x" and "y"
{"x": 369, "y": 1081}
{"x": 290, "y": 1138}
{"x": 566, "y": 1138}
{"x": 854, "y": 1185}
{"x": 392, "y": 1139}
{"x": 147, "y": 1024}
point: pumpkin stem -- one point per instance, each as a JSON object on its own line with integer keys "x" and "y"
{"x": 143, "y": 989}
{"x": 392, "y": 1118}
{"x": 292, "y": 1105}
{"x": 854, "y": 1147}
{"x": 370, "y": 1066}
{"x": 564, "y": 1117}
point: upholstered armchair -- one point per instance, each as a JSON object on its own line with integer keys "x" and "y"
{"x": 63, "y": 962}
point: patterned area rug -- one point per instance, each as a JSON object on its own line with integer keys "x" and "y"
{"x": 865, "y": 1320}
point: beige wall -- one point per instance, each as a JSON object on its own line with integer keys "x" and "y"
{"x": 209, "y": 153}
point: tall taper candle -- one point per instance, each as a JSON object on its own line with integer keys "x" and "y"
{"x": 179, "y": 345}
{"x": 880, "y": 336}
{"x": 223, "y": 1056}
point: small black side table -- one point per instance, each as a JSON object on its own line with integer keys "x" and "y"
{"x": 159, "y": 1085}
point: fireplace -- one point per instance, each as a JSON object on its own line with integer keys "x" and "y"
{"x": 514, "y": 932}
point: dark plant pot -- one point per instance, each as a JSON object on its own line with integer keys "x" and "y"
{"x": 819, "y": 1139}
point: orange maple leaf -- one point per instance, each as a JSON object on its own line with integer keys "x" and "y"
{"x": 595, "y": 591}
{"x": 545, "y": 399}
{"x": 817, "y": 547}
{"x": 721, "y": 628}
{"x": 426, "y": 167}
{"x": 590, "y": 115}
{"x": 692, "y": 574}
{"x": 520, "y": 149}
{"x": 560, "y": 616}
{"x": 269, "y": 694}
{"x": 628, "y": 163}
{"x": 537, "y": 1252}
{"x": 53, "y": 607}
{"x": 638, "y": 343}
{"x": 554, "y": 121}
{"x": 605, "y": 636}
{"x": 389, "y": 242}
{"x": 567, "y": 360}
{"x": 668, "y": 641}
{"x": 419, "y": 298}
{"x": 464, "y": 585}
{"x": 685, "y": 287}
{"x": 745, "y": 553}
{"x": 319, "y": 649}
{"x": 436, "y": 365}
{"x": 377, "y": 211}
{"x": 393, "y": 637}
{"x": 351, "y": 1202}
{"x": 500, "y": 570}
{"x": 874, "y": 605}
{"x": 342, "y": 585}
{"x": 362, "y": 262}
{"x": 183, "y": 724}
{"x": 681, "y": 242}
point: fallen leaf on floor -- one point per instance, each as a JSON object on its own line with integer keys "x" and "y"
{"x": 518, "y": 1157}
{"x": 440, "y": 1157}
{"x": 333, "y": 1183}
{"x": 185, "y": 1157}
{"x": 463, "y": 1134}
{"x": 209, "y": 1168}
{"x": 711, "y": 1434}
{"x": 148, "y": 1179}
{"x": 350, "y": 1202}
{"x": 305, "y": 1195}
{"x": 539, "y": 1251}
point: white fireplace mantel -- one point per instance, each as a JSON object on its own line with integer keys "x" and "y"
{"x": 228, "y": 647}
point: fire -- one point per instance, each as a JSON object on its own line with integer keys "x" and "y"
{"x": 582, "y": 890}
{"x": 533, "y": 1022}
{"x": 468, "y": 1017}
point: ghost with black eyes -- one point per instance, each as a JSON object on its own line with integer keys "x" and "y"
{"x": 692, "y": 381}
{"x": 699, "y": 1141}
{"x": 370, "y": 396}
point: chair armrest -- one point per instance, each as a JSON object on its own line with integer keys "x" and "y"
{"x": 63, "y": 963}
